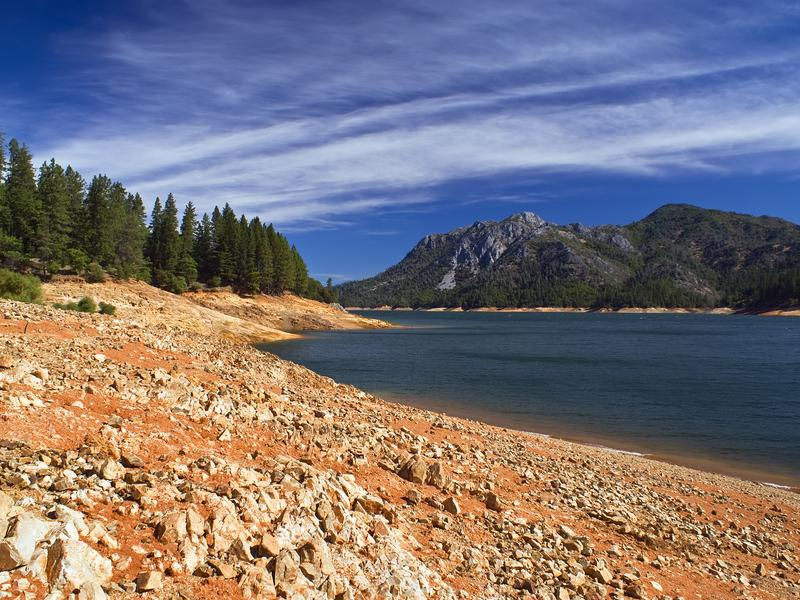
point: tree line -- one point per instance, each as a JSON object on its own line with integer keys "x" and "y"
{"x": 52, "y": 221}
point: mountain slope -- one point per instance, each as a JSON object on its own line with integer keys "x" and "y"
{"x": 679, "y": 255}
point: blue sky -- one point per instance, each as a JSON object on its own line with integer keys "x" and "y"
{"x": 359, "y": 127}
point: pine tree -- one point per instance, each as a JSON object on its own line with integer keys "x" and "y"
{"x": 227, "y": 242}
{"x": 22, "y": 198}
{"x": 262, "y": 256}
{"x": 204, "y": 248}
{"x": 168, "y": 238}
{"x": 155, "y": 232}
{"x": 300, "y": 273}
{"x": 56, "y": 222}
{"x": 281, "y": 260}
{"x": 76, "y": 195}
{"x": 131, "y": 240}
{"x": 100, "y": 220}
{"x": 187, "y": 267}
{"x": 5, "y": 213}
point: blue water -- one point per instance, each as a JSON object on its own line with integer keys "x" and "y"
{"x": 718, "y": 392}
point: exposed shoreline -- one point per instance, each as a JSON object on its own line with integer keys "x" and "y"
{"x": 777, "y": 312}
{"x": 211, "y": 469}
{"x": 751, "y": 473}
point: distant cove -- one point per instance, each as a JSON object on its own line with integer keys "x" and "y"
{"x": 721, "y": 394}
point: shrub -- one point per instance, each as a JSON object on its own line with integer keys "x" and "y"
{"x": 196, "y": 286}
{"x": 215, "y": 281}
{"x": 78, "y": 259}
{"x": 24, "y": 288}
{"x": 170, "y": 282}
{"x": 85, "y": 304}
{"x": 107, "y": 309}
{"x": 94, "y": 273}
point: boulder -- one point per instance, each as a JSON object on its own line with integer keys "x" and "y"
{"x": 24, "y": 533}
{"x": 414, "y": 469}
{"x": 493, "y": 502}
{"x": 172, "y": 528}
{"x": 72, "y": 564}
{"x": 147, "y": 581}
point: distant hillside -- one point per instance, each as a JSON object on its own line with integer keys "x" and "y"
{"x": 680, "y": 255}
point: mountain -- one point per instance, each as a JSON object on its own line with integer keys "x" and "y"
{"x": 679, "y": 255}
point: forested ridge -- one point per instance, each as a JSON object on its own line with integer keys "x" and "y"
{"x": 53, "y": 221}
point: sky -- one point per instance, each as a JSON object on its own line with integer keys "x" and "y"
{"x": 359, "y": 127}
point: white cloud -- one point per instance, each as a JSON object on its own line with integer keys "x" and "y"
{"x": 308, "y": 119}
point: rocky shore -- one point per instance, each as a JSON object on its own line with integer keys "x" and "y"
{"x": 143, "y": 455}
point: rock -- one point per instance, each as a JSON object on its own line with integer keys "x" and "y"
{"x": 436, "y": 477}
{"x": 414, "y": 469}
{"x": 761, "y": 569}
{"x": 222, "y": 569}
{"x": 172, "y": 527}
{"x": 601, "y": 574}
{"x": 493, "y": 502}
{"x": 73, "y": 563}
{"x": 413, "y": 496}
{"x": 195, "y": 524}
{"x": 6, "y": 504}
{"x": 226, "y": 528}
{"x": 131, "y": 461}
{"x": 451, "y": 506}
{"x": 566, "y": 532}
{"x": 267, "y": 546}
{"x": 111, "y": 470}
{"x": 256, "y": 583}
{"x": 636, "y": 590}
{"x": 286, "y": 570}
{"x": 24, "y": 533}
{"x": 225, "y": 436}
{"x": 148, "y": 581}
{"x": 6, "y": 362}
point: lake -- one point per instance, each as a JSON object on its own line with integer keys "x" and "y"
{"x": 721, "y": 393}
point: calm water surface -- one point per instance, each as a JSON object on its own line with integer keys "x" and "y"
{"x": 721, "y": 393}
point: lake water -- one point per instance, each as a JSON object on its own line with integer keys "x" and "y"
{"x": 720, "y": 393}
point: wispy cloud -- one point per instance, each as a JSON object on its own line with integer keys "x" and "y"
{"x": 310, "y": 116}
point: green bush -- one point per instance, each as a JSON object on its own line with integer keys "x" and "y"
{"x": 24, "y": 288}
{"x": 215, "y": 281}
{"x": 78, "y": 259}
{"x": 94, "y": 273}
{"x": 85, "y": 305}
{"x": 196, "y": 286}
{"x": 107, "y": 309}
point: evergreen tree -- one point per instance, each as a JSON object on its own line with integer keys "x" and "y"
{"x": 5, "y": 213}
{"x": 187, "y": 267}
{"x": 76, "y": 195}
{"x": 21, "y": 198}
{"x": 300, "y": 273}
{"x": 131, "y": 239}
{"x": 155, "y": 227}
{"x": 281, "y": 261}
{"x": 167, "y": 238}
{"x": 246, "y": 275}
{"x": 262, "y": 256}
{"x": 99, "y": 242}
{"x": 56, "y": 222}
{"x": 227, "y": 242}
{"x": 204, "y": 248}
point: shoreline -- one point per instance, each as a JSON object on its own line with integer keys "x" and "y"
{"x": 697, "y": 463}
{"x": 722, "y": 311}
{"x": 195, "y": 449}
